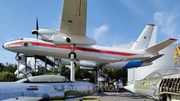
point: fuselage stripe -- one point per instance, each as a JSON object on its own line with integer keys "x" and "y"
{"x": 76, "y": 48}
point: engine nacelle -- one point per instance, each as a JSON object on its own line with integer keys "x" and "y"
{"x": 90, "y": 64}
{"x": 58, "y": 38}
{"x": 63, "y": 39}
{"x": 88, "y": 68}
{"x": 46, "y": 34}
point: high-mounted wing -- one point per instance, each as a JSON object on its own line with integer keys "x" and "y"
{"x": 73, "y": 18}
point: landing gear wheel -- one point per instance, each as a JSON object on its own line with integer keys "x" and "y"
{"x": 18, "y": 58}
{"x": 72, "y": 56}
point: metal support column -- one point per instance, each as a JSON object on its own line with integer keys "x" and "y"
{"x": 18, "y": 69}
{"x": 72, "y": 78}
{"x": 35, "y": 64}
{"x": 25, "y": 64}
{"x": 45, "y": 67}
{"x": 54, "y": 66}
{"x": 59, "y": 66}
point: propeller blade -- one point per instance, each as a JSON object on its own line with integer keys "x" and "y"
{"x": 37, "y": 27}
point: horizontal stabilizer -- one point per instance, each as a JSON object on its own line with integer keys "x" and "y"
{"x": 113, "y": 60}
{"x": 156, "y": 48}
{"x": 152, "y": 59}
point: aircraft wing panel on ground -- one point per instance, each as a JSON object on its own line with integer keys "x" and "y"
{"x": 73, "y": 18}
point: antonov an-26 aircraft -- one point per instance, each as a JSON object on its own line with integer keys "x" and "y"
{"x": 71, "y": 42}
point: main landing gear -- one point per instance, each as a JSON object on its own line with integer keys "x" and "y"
{"x": 72, "y": 57}
{"x": 18, "y": 58}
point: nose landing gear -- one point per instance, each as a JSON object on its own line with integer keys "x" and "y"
{"x": 72, "y": 57}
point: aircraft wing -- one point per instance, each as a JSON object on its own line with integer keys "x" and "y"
{"x": 23, "y": 99}
{"x": 73, "y": 18}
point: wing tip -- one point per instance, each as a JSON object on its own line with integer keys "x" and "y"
{"x": 172, "y": 39}
{"x": 151, "y": 24}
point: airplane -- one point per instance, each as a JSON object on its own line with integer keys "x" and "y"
{"x": 94, "y": 56}
{"x": 71, "y": 37}
{"x": 162, "y": 85}
{"x": 45, "y": 88}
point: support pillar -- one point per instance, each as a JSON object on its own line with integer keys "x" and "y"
{"x": 54, "y": 66}
{"x": 25, "y": 64}
{"x": 35, "y": 64}
{"x": 59, "y": 66}
{"x": 72, "y": 75}
{"x": 18, "y": 69}
{"x": 45, "y": 67}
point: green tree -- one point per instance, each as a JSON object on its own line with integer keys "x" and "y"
{"x": 10, "y": 67}
{"x": 1, "y": 67}
{"x": 81, "y": 74}
{"x": 6, "y": 76}
{"x": 65, "y": 69}
{"x": 115, "y": 73}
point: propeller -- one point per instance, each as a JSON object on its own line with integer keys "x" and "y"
{"x": 37, "y": 28}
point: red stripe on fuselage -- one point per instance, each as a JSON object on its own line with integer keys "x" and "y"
{"x": 77, "y": 48}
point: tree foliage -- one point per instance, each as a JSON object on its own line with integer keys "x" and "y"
{"x": 8, "y": 70}
{"x": 6, "y": 76}
{"x": 115, "y": 73}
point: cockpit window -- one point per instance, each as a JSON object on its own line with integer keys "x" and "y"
{"x": 48, "y": 78}
{"x": 163, "y": 72}
{"x": 155, "y": 74}
{"x": 18, "y": 39}
{"x": 171, "y": 71}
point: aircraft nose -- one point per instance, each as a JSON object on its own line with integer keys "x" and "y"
{"x": 3, "y": 45}
{"x": 130, "y": 88}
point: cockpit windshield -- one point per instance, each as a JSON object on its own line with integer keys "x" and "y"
{"x": 44, "y": 79}
{"x": 18, "y": 39}
{"x": 155, "y": 74}
{"x": 48, "y": 78}
{"x": 163, "y": 72}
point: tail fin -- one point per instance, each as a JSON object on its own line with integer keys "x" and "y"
{"x": 147, "y": 38}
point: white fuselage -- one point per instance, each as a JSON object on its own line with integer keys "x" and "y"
{"x": 91, "y": 53}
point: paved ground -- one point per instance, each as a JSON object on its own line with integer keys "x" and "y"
{"x": 121, "y": 96}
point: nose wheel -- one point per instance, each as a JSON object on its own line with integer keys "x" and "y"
{"x": 72, "y": 57}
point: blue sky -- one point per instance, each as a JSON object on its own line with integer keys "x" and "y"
{"x": 109, "y": 22}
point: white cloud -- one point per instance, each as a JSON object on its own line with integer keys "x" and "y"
{"x": 132, "y": 5}
{"x": 100, "y": 31}
{"x": 167, "y": 23}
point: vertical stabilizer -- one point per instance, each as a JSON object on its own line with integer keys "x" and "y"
{"x": 147, "y": 38}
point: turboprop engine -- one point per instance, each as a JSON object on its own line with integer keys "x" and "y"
{"x": 89, "y": 65}
{"x": 58, "y": 38}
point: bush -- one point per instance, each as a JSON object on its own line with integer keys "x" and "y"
{"x": 6, "y": 76}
